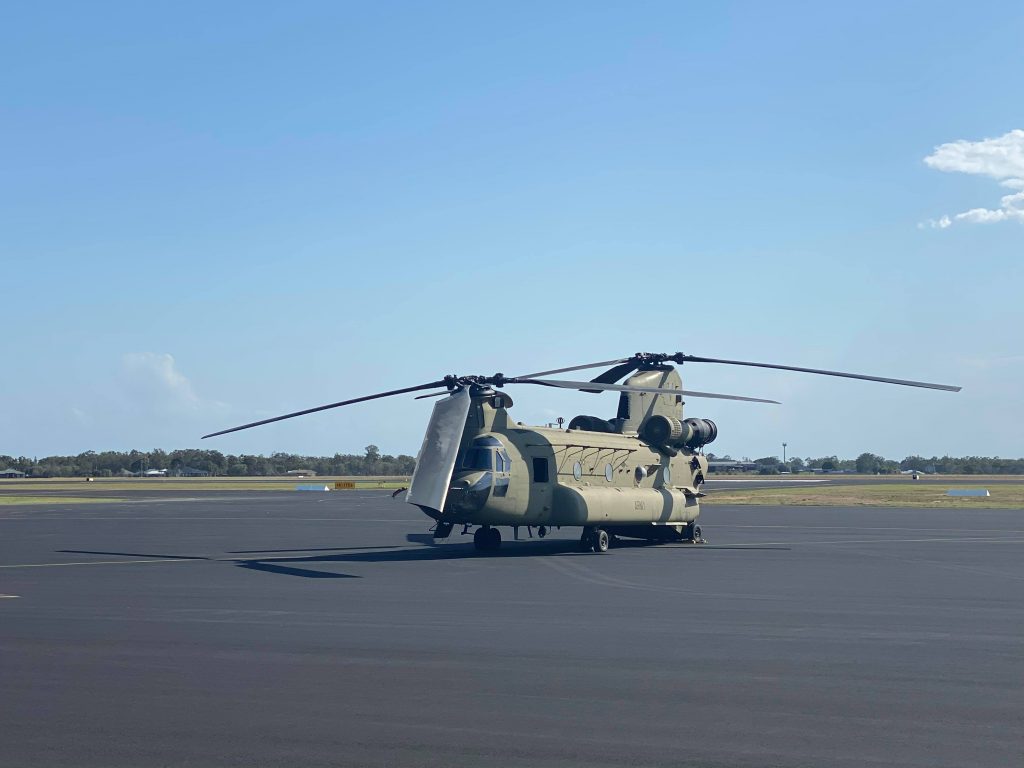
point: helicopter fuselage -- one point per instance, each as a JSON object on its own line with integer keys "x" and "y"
{"x": 507, "y": 473}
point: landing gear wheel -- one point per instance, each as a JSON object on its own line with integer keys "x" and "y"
{"x": 697, "y": 538}
{"x": 486, "y": 539}
{"x": 493, "y": 539}
{"x": 586, "y": 540}
{"x": 542, "y": 531}
{"x": 480, "y": 537}
{"x": 595, "y": 540}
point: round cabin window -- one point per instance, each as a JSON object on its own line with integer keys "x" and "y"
{"x": 608, "y": 472}
{"x": 577, "y": 470}
{"x": 666, "y": 476}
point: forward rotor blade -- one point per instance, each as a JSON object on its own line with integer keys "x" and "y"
{"x": 431, "y": 385}
{"x": 574, "y": 368}
{"x": 584, "y": 386}
{"x": 883, "y": 379}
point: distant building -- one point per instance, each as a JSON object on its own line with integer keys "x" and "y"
{"x": 155, "y": 473}
{"x": 192, "y": 472}
{"x": 10, "y": 473}
{"x": 726, "y": 465}
{"x": 301, "y": 473}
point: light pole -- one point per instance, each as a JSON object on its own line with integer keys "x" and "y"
{"x": 783, "y": 453}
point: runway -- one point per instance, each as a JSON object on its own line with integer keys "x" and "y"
{"x": 270, "y": 629}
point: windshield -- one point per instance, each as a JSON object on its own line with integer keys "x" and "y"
{"x": 486, "y": 454}
{"x": 478, "y": 458}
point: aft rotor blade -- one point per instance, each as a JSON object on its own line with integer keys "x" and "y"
{"x": 431, "y": 385}
{"x": 574, "y": 368}
{"x": 615, "y": 373}
{"x": 883, "y": 379}
{"x": 432, "y": 394}
{"x": 589, "y": 385}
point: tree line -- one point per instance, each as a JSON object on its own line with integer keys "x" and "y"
{"x": 372, "y": 462}
{"x": 124, "y": 463}
{"x": 871, "y": 464}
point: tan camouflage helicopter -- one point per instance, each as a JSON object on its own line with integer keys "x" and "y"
{"x": 638, "y": 475}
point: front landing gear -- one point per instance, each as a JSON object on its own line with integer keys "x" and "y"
{"x": 595, "y": 540}
{"x": 487, "y": 539}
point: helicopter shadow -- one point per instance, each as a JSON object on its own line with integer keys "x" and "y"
{"x": 428, "y": 550}
{"x": 265, "y": 565}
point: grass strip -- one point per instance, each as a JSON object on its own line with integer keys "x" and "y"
{"x": 1009, "y": 496}
{"x": 19, "y": 501}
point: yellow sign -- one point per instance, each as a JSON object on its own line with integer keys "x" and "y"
{"x": 344, "y": 485}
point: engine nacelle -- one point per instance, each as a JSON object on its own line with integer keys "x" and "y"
{"x": 702, "y": 432}
{"x": 668, "y": 432}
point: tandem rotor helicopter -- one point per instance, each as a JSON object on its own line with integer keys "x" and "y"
{"x": 637, "y": 475}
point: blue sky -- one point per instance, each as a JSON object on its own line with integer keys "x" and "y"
{"x": 213, "y": 213}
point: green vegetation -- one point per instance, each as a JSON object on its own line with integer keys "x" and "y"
{"x": 189, "y": 461}
{"x": 872, "y": 464}
{"x": 893, "y": 494}
{"x": 158, "y": 484}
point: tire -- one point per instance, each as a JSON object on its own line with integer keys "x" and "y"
{"x": 696, "y": 532}
{"x": 587, "y": 540}
{"x": 600, "y": 540}
{"x": 480, "y": 537}
{"x": 493, "y": 539}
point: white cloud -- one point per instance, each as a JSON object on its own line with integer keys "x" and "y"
{"x": 940, "y": 223}
{"x": 1001, "y": 158}
{"x": 143, "y": 399}
{"x": 152, "y": 382}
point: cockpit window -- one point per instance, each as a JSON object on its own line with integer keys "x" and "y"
{"x": 478, "y": 458}
{"x": 503, "y": 461}
{"x": 487, "y": 453}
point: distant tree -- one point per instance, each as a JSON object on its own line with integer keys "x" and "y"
{"x": 869, "y": 463}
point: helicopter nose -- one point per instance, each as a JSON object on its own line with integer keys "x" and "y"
{"x": 469, "y": 492}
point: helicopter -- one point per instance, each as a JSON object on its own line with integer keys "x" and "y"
{"x": 637, "y": 475}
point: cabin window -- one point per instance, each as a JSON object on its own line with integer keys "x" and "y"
{"x": 540, "y": 470}
{"x": 577, "y": 471}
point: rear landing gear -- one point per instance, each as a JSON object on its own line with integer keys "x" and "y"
{"x": 595, "y": 540}
{"x": 692, "y": 533}
{"x": 487, "y": 539}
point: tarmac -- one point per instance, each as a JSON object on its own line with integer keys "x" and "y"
{"x": 274, "y": 628}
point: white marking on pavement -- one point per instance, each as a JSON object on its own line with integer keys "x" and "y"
{"x": 104, "y": 562}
